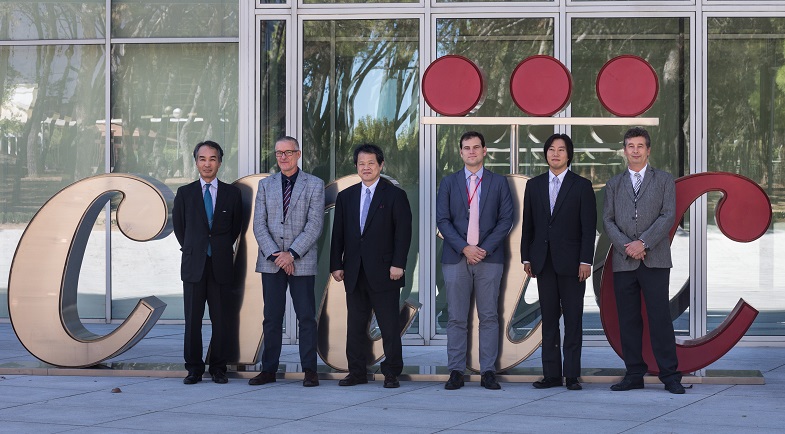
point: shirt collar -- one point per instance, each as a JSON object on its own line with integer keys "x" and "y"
{"x": 372, "y": 187}
{"x": 560, "y": 176}
{"x": 642, "y": 171}
{"x": 467, "y": 173}
{"x": 214, "y": 183}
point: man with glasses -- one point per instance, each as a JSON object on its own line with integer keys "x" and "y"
{"x": 288, "y": 217}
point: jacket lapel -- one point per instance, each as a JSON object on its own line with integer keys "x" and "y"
{"x": 198, "y": 193}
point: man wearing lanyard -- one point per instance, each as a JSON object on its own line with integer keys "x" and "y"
{"x": 474, "y": 211}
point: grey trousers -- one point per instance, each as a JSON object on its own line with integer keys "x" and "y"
{"x": 461, "y": 280}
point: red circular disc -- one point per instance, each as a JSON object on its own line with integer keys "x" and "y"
{"x": 627, "y": 85}
{"x": 453, "y": 86}
{"x": 541, "y": 85}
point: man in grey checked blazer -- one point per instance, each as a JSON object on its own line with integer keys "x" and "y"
{"x": 640, "y": 208}
{"x": 288, "y": 219}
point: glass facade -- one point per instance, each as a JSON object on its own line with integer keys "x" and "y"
{"x": 166, "y": 74}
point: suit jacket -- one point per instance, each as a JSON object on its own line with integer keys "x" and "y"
{"x": 656, "y": 212}
{"x": 452, "y": 215}
{"x": 193, "y": 232}
{"x": 383, "y": 244}
{"x": 300, "y": 229}
{"x": 569, "y": 232}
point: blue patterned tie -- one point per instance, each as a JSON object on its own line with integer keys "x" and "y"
{"x": 366, "y": 207}
{"x": 208, "y": 208}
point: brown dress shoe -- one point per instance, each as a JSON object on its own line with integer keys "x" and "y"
{"x": 262, "y": 378}
{"x": 311, "y": 379}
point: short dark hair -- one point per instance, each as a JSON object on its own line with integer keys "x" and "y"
{"x": 369, "y": 148}
{"x": 567, "y": 142}
{"x": 211, "y": 144}
{"x": 470, "y": 135}
{"x": 637, "y": 132}
{"x": 289, "y": 139}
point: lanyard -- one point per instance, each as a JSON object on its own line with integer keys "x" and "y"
{"x": 474, "y": 193}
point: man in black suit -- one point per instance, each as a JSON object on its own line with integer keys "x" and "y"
{"x": 371, "y": 236}
{"x": 557, "y": 248}
{"x": 207, "y": 219}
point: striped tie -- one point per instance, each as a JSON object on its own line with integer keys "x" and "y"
{"x": 287, "y": 196}
{"x": 637, "y": 187}
{"x": 554, "y": 191}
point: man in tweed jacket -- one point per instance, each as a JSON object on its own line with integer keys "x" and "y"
{"x": 640, "y": 208}
{"x": 288, "y": 218}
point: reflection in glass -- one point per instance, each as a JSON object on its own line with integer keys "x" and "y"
{"x": 189, "y": 94}
{"x": 272, "y": 93}
{"x": 361, "y": 84}
{"x": 52, "y": 99}
{"x": 746, "y": 103}
{"x": 27, "y": 20}
{"x": 496, "y": 46}
{"x": 174, "y": 18}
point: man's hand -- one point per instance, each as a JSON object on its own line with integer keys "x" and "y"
{"x": 396, "y": 273}
{"x": 584, "y": 271}
{"x": 338, "y": 275}
{"x": 474, "y": 255}
{"x": 282, "y": 259}
{"x": 527, "y": 267}
{"x": 635, "y": 249}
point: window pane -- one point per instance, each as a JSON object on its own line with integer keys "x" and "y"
{"x": 173, "y": 18}
{"x": 272, "y": 93}
{"x": 52, "y": 19}
{"x": 361, "y": 84}
{"x": 496, "y": 46}
{"x": 50, "y": 136}
{"x": 664, "y": 43}
{"x": 166, "y": 99}
{"x": 746, "y": 105}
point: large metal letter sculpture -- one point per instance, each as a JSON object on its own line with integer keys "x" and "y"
{"x": 42, "y": 285}
{"x": 331, "y": 316}
{"x": 247, "y": 282}
{"x": 743, "y": 214}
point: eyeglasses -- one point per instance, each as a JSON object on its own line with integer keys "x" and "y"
{"x": 279, "y": 154}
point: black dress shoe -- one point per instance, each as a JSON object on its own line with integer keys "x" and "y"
{"x": 262, "y": 378}
{"x": 391, "y": 382}
{"x": 455, "y": 382}
{"x": 627, "y": 384}
{"x": 675, "y": 387}
{"x": 488, "y": 381}
{"x": 573, "y": 383}
{"x": 220, "y": 377}
{"x": 547, "y": 383}
{"x": 192, "y": 379}
{"x": 353, "y": 380}
{"x": 311, "y": 379}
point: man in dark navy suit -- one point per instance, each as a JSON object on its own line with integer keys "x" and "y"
{"x": 557, "y": 247}
{"x": 207, "y": 219}
{"x": 371, "y": 236}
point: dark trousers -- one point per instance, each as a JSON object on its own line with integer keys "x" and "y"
{"x": 274, "y": 293}
{"x": 561, "y": 295}
{"x": 360, "y": 305}
{"x": 652, "y": 283}
{"x": 194, "y": 297}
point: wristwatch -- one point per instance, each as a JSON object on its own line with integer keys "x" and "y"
{"x": 645, "y": 246}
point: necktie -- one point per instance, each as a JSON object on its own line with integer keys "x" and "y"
{"x": 366, "y": 207}
{"x": 287, "y": 196}
{"x": 473, "y": 234}
{"x": 637, "y": 186}
{"x": 208, "y": 208}
{"x": 554, "y": 191}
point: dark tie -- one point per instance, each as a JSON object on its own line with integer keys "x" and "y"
{"x": 287, "y": 196}
{"x": 366, "y": 207}
{"x": 208, "y": 208}
{"x": 637, "y": 187}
